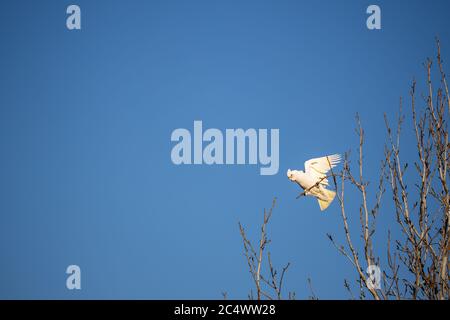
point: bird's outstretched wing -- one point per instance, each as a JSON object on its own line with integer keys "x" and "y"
{"x": 318, "y": 167}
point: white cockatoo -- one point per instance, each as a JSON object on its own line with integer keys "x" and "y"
{"x": 314, "y": 180}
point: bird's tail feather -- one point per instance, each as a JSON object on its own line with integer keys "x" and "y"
{"x": 328, "y": 198}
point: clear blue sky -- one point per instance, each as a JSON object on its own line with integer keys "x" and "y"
{"x": 86, "y": 117}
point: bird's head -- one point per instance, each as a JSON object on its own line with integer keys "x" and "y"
{"x": 293, "y": 175}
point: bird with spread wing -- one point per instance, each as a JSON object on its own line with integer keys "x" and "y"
{"x": 314, "y": 180}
